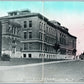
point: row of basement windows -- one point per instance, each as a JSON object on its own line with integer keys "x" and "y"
{"x": 26, "y": 25}
{"x": 29, "y": 55}
{"x": 40, "y": 56}
{"x": 46, "y": 56}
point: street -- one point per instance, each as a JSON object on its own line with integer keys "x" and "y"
{"x": 64, "y": 71}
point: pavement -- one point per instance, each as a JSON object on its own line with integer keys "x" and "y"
{"x": 56, "y": 72}
{"x": 23, "y": 61}
{"x": 33, "y": 64}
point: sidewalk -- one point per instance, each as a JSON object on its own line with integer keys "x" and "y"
{"x": 22, "y": 61}
{"x": 34, "y": 64}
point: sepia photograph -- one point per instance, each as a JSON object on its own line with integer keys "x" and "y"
{"x": 42, "y": 42}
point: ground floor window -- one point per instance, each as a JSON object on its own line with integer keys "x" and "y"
{"x": 39, "y": 55}
{"x": 24, "y": 55}
{"x": 63, "y": 51}
{"x": 30, "y": 56}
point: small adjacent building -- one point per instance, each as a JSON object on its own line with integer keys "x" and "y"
{"x": 31, "y": 35}
{"x": 11, "y": 38}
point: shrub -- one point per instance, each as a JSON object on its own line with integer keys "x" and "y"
{"x": 56, "y": 47}
{"x": 81, "y": 56}
{"x": 5, "y": 57}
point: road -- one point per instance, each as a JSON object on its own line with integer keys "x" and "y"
{"x": 64, "y": 71}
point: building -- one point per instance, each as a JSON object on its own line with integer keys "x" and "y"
{"x": 0, "y": 38}
{"x": 31, "y": 35}
{"x": 11, "y": 38}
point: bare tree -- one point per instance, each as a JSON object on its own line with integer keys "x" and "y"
{"x": 56, "y": 47}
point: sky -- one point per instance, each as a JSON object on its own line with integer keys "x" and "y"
{"x": 69, "y": 13}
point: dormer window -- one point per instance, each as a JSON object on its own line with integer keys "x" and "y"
{"x": 12, "y": 13}
{"x": 15, "y": 13}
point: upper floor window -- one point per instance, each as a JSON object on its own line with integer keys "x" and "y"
{"x": 15, "y": 13}
{"x": 14, "y": 31}
{"x": 46, "y": 28}
{"x": 13, "y": 41}
{"x": 30, "y": 46}
{"x": 13, "y": 49}
{"x": 30, "y": 34}
{"x": 30, "y": 23}
{"x": 25, "y": 24}
{"x": 25, "y": 35}
{"x": 25, "y": 46}
{"x": 40, "y": 26}
{"x": 40, "y": 35}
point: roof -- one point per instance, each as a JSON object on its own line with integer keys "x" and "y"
{"x": 59, "y": 27}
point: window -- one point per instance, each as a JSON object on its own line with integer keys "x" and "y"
{"x": 14, "y": 31}
{"x": 25, "y": 46}
{"x": 13, "y": 41}
{"x": 13, "y": 49}
{"x": 9, "y": 28}
{"x": 24, "y": 55}
{"x": 25, "y": 24}
{"x": 63, "y": 51}
{"x": 40, "y": 35}
{"x": 46, "y": 48}
{"x": 39, "y": 55}
{"x": 15, "y": 13}
{"x": 25, "y": 35}
{"x": 40, "y": 26}
{"x": 30, "y": 46}
{"x": 47, "y": 29}
{"x": 30, "y": 23}
{"x": 30, "y": 35}
{"x": 18, "y": 30}
{"x": 29, "y": 55}
{"x": 40, "y": 46}
{"x": 44, "y": 27}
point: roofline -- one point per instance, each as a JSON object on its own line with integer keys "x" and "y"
{"x": 56, "y": 26}
{"x": 41, "y": 17}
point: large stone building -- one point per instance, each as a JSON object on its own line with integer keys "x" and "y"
{"x": 31, "y": 35}
{"x": 0, "y": 38}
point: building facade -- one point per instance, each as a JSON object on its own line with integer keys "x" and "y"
{"x": 11, "y": 38}
{"x": 0, "y": 38}
{"x": 31, "y": 35}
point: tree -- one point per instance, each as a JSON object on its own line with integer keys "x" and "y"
{"x": 83, "y": 53}
{"x": 56, "y": 47}
{"x": 74, "y": 52}
{"x": 81, "y": 56}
